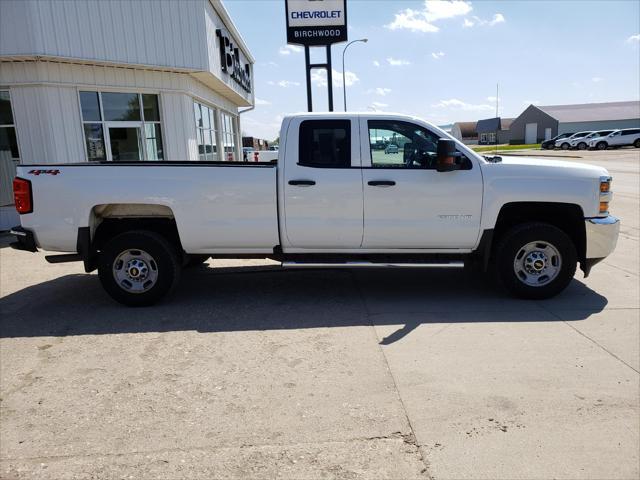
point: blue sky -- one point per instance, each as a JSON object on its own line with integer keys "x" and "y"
{"x": 441, "y": 60}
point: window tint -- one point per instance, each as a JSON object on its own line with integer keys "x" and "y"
{"x": 150, "y": 107}
{"x": 632, "y": 131}
{"x": 325, "y": 143}
{"x": 6, "y": 117}
{"x": 121, "y": 106}
{"x": 396, "y": 144}
{"x": 90, "y": 106}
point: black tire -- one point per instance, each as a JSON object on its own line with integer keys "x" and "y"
{"x": 163, "y": 258}
{"x": 637, "y": 143}
{"x": 195, "y": 260}
{"x": 601, "y": 146}
{"x": 582, "y": 146}
{"x": 512, "y": 244}
{"x": 565, "y": 146}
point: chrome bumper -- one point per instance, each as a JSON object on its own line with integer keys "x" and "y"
{"x": 602, "y": 236}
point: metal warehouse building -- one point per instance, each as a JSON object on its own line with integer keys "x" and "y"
{"x": 118, "y": 81}
{"x": 539, "y": 123}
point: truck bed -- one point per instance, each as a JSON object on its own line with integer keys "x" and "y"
{"x": 218, "y": 206}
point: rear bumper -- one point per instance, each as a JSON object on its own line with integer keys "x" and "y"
{"x": 24, "y": 240}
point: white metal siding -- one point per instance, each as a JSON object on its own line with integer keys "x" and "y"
{"x": 179, "y": 127}
{"x": 48, "y": 124}
{"x": 169, "y": 33}
{"x": 45, "y": 101}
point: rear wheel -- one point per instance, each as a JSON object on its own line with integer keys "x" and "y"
{"x": 601, "y": 145}
{"x": 536, "y": 260}
{"x": 582, "y": 146}
{"x": 565, "y": 146}
{"x": 138, "y": 268}
{"x": 637, "y": 143}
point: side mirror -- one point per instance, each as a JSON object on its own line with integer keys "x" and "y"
{"x": 447, "y": 154}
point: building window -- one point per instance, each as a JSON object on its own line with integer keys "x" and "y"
{"x": 8, "y": 140}
{"x": 121, "y": 126}
{"x": 206, "y": 131}
{"x": 229, "y": 137}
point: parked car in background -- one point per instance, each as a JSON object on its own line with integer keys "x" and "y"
{"x": 551, "y": 143}
{"x": 565, "y": 143}
{"x": 618, "y": 138}
{"x": 391, "y": 148}
{"x": 581, "y": 143}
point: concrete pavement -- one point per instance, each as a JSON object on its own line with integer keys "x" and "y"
{"x": 252, "y": 372}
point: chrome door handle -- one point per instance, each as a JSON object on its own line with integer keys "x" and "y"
{"x": 382, "y": 183}
{"x": 302, "y": 183}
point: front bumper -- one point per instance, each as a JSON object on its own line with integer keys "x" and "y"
{"x": 602, "y": 235}
{"x": 24, "y": 240}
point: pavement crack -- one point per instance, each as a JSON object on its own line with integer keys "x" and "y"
{"x": 409, "y": 438}
{"x": 590, "y": 339}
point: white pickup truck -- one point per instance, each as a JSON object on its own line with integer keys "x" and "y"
{"x": 330, "y": 199}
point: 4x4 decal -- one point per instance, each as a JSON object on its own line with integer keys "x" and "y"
{"x": 54, "y": 171}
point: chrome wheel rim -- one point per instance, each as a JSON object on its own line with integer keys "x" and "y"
{"x": 537, "y": 263}
{"x": 135, "y": 271}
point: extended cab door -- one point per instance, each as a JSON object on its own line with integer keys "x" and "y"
{"x": 321, "y": 205}
{"x": 407, "y": 203}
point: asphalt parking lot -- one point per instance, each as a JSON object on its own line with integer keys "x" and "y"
{"x": 252, "y": 371}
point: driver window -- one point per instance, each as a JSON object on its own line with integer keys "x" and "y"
{"x": 396, "y": 144}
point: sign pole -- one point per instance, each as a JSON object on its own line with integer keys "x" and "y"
{"x": 330, "y": 78}
{"x": 308, "y": 72}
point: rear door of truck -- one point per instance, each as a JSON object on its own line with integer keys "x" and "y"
{"x": 321, "y": 184}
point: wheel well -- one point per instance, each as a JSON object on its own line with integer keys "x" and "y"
{"x": 566, "y": 216}
{"x": 110, "y": 227}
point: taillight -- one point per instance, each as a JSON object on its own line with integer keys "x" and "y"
{"x": 22, "y": 195}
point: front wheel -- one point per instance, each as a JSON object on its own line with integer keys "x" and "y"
{"x": 582, "y": 146}
{"x": 601, "y": 145}
{"x": 565, "y": 146}
{"x": 536, "y": 260}
{"x": 138, "y": 268}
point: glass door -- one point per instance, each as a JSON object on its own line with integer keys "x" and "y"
{"x": 124, "y": 142}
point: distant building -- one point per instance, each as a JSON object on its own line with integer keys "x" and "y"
{"x": 539, "y": 123}
{"x": 492, "y": 131}
{"x": 465, "y": 132}
{"x": 255, "y": 143}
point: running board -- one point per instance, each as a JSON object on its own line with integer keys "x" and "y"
{"x": 372, "y": 265}
{"x": 71, "y": 257}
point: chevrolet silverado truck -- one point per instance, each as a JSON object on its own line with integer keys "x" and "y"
{"x": 331, "y": 199}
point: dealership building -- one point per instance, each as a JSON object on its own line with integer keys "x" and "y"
{"x": 539, "y": 123}
{"x": 92, "y": 80}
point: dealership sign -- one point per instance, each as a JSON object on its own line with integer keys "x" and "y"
{"x": 316, "y": 22}
{"x": 232, "y": 62}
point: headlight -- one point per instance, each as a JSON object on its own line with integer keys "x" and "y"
{"x": 605, "y": 195}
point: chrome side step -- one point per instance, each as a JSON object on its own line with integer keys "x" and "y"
{"x": 372, "y": 265}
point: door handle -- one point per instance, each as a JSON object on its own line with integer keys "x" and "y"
{"x": 382, "y": 183}
{"x": 302, "y": 183}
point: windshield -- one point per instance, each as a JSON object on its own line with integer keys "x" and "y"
{"x": 580, "y": 134}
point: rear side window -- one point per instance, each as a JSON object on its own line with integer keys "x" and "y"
{"x": 325, "y": 143}
{"x": 633, "y": 131}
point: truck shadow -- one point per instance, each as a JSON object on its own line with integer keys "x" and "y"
{"x": 267, "y": 298}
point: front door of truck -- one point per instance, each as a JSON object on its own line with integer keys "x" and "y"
{"x": 407, "y": 203}
{"x": 322, "y": 185}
